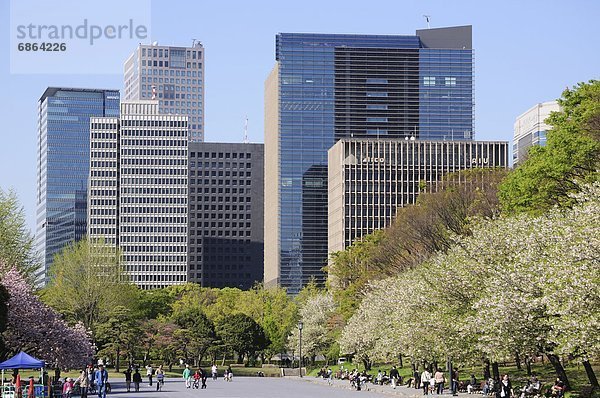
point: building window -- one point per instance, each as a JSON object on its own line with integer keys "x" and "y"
{"x": 429, "y": 81}
{"x": 376, "y": 94}
{"x": 376, "y": 81}
{"x": 450, "y": 81}
{"x": 377, "y": 119}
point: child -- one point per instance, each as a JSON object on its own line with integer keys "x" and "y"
{"x": 68, "y": 387}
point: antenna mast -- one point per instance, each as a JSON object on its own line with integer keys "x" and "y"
{"x": 246, "y": 130}
{"x": 428, "y": 19}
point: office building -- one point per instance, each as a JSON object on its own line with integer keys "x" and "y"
{"x": 63, "y": 166}
{"x": 369, "y": 178}
{"x": 530, "y": 129}
{"x": 226, "y": 214}
{"x": 138, "y": 191}
{"x": 325, "y": 87}
{"x": 172, "y": 75}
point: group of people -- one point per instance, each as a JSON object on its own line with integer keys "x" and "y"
{"x": 199, "y": 377}
{"x": 133, "y": 375}
{"x": 435, "y": 383}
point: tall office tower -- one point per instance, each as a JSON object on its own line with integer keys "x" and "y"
{"x": 325, "y": 87}
{"x": 138, "y": 191}
{"x": 226, "y": 214}
{"x": 63, "y": 165}
{"x": 530, "y": 129}
{"x": 172, "y": 75}
{"x": 370, "y": 178}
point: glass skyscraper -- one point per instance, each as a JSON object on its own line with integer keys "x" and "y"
{"x": 325, "y": 87}
{"x": 63, "y": 165}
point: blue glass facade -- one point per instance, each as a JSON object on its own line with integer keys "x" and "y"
{"x": 63, "y": 165}
{"x": 332, "y": 86}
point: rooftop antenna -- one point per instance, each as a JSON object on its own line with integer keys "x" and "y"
{"x": 428, "y": 19}
{"x": 194, "y": 42}
{"x": 246, "y": 130}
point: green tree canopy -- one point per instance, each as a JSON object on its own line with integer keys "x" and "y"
{"x": 243, "y": 335}
{"x": 570, "y": 158}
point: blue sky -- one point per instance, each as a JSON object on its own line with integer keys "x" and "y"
{"x": 525, "y": 52}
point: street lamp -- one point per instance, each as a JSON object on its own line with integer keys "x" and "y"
{"x": 300, "y": 326}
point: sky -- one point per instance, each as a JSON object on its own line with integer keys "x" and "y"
{"x": 526, "y": 52}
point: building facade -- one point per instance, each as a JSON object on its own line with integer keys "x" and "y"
{"x": 172, "y": 75}
{"x": 63, "y": 165}
{"x": 226, "y": 214}
{"x": 369, "y": 179}
{"x": 327, "y": 87}
{"x": 530, "y": 129}
{"x": 138, "y": 191}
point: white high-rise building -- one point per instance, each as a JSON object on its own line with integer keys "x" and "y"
{"x": 530, "y": 129}
{"x": 172, "y": 75}
{"x": 137, "y": 194}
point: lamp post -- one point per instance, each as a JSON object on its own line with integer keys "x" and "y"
{"x": 300, "y": 326}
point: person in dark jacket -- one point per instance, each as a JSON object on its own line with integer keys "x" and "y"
{"x": 504, "y": 388}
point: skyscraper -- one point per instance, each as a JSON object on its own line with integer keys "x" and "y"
{"x": 226, "y": 214}
{"x": 63, "y": 165}
{"x": 172, "y": 75}
{"x": 531, "y": 128}
{"x": 138, "y": 191}
{"x": 325, "y": 87}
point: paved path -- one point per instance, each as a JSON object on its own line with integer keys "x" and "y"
{"x": 264, "y": 387}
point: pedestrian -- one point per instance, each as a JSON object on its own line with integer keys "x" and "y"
{"x": 137, "y": 379}
{"x": 203, "y": 377}
{"x": 505, "y": 389}
{"x": 84, "y": 383}
{"x": 454, "y": 382}
{"x": 187, "y": 376}
{"x": 101, "y": 381}
{"x": 149, "y": 373}
{"x": 214, "y": 371}
{"x": 416, "y": 377}
{"x": 127, "y": 374}
{"x": 394, "y": 375}
{"x": 439, "y": 381}
{"x": 160, "y": 378}
{"x": 425, "y": 377}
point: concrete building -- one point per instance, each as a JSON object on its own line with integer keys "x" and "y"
{"x": 138, "y": 191}
{"x": 226, "y": 214}
{"x": 530, "y": 129}
{"x": 369, "y": 178}
{"x": 325, "y": 87}
{"x": 172, "y": 75}
{"x": 63, "y": 161}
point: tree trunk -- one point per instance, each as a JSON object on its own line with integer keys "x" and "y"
{"x": 117, "y": 359}
{"x": 486, "y": 369}
{"x": 495, "y": 371}
{"x": 528, "y": 365}
{"x": 558, "y": 368}
{"x": 518, "y": 361}
{"x": 367, "y": 362}
{"x": 400, "y": 361}
{"x": 435, "y": 366}
{"x": 590, "y": 374}
{"x": 223, "y": 362}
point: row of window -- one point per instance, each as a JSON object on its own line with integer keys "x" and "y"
{"x": 215, "y": 224}
{"x": 219, "y": 216}
{"x": 431, "y": 81}
{"x": 144, "y": 200}
{"x": 221, "y": 233}
{"x": 171, "y": 72}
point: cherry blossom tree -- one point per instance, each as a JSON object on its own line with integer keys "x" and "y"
{"x": 37, "y": 329}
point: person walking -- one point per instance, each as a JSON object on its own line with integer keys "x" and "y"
{"x": 187, "y": 376}
{"x": 149, "y": 373}
{"x": 160, "y": 378}
{"x": 137, "y": 379}
{"x": 454, "y": 382}
{"x": 101, "y": 379}
{"x": 214, "y": 371}
{"x": 127, "y": 374}
{"x": 84, "y": 383}
{"x": 394, "y": 376}
{"x": 203, "y": 377}
{"x": 416, "y": 378}
{"x": 439, "y": 381}
{"x": 425, "y": 377}
{"x": 505, "y": 389}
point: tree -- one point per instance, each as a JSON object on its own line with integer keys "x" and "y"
{"x": 199, "y": 329}
{"x": 16, "y": 243}
{"x": 570, "y": 159}
{"x": 87, "y": 282}
{"x": 243, "y": 335}
{"x": 4, "y": 297}
{"x": 119, "y": 335}
{"x": 36, "y": 328}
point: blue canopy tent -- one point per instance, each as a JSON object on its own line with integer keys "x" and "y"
{"x": 22, "y": 361}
